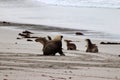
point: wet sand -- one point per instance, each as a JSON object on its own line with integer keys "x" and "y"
{"x": 20, "y": 60}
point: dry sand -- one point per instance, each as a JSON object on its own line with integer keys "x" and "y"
{"x": 20, "y": 60}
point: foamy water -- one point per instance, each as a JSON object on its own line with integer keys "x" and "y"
{"x": 76, "y": 14}
{"x": 84, "y": 3}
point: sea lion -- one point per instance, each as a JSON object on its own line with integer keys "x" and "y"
{"x": 42, "y": 40}
{"x": 70, "y": 46}
{"x": 91, "y": 47}
{"x": 54, "y": 46}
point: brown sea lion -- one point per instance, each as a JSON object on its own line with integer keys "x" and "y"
{"x": 42, "y": 40}
{"x": 54, "y": 46}
{"x": 70, "y": 46}
{"x": 91, "y": 47}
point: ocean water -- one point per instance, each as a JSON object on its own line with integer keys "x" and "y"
{"x": 73, "y": 3}
{"x": 84, "y": 3}
{"x": 97, "y": 15}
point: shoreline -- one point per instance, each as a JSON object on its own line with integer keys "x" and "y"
{"x": 43, "y": 32}
{"x": 20, "y": 60}
{"x": 65, "y": 31}
{"x": 78, "y": 18}
{"x": 43, "y": 27}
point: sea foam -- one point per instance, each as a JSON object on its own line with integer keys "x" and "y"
{"x": 84, "y": 3}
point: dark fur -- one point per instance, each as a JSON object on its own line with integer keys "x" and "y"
{"x": 49, "y": 38}
{"x": 28, "y": 32}
{"x": 79, "y": 33}
{"x": 70, "y": 46}
{"x": 91, "y": 47}
{"x": 24, "y": 35}
{"x": 52, "y": 47}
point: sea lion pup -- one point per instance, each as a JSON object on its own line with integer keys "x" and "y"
{"x": 42, "y": 40}
{"x": 70, "y": 46}
{"x": 91, "y": 47}
{"x": 54, "y": 46}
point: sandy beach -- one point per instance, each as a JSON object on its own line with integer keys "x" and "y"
{"x": 20, "y": 60}
{"x": 98, "y": 20}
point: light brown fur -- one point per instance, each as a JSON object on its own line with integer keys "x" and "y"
{"x": 42, "y": 40}
{"x": 58, "y": 38}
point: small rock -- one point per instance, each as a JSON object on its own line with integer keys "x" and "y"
{"x": 27, "y": 32}
{"x": 18, "y": 38}
{"x": 6, "y": 75}
{"x": 70, "y": 77}
{"x": 79, "y": 33}
{"x": 102, "y": 42}
{"x": 29, "y": 40}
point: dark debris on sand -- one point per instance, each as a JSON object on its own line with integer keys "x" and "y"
{"x": 110, "y": 43}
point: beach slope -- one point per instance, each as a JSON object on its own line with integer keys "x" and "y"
{"x": 20, "y": 60}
